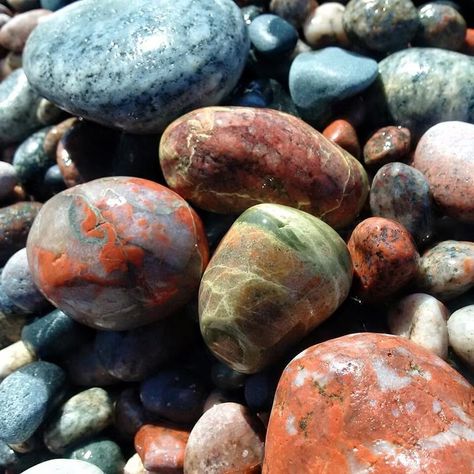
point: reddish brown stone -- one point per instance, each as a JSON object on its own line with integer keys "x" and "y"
{"x": 227, "y": 159}
{"x": 386, "y": 145}
{"x": 161, "y": 448}
{"x": 370, "y": 403}
{"x": 468, "y": 47}
{"x": 384, "y": 258}
{"x": 57, "y": 132}
{"x": 342, "y": 133}
{"x": 293, "y": 11}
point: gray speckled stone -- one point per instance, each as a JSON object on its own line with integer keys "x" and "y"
{"x": 420, "y": 87}
{"x": 18, "y": 103}
{"x": 136, "y": 64}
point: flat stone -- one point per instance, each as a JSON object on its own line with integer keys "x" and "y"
{"x": 183, "y": 55}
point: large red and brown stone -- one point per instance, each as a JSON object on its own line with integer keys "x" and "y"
{"x": 370, "y": 403}
{"x": 227, "y": 159}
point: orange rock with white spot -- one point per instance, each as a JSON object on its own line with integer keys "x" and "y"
{"x": 370, "y": 403}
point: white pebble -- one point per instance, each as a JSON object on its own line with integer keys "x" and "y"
{"x": 461, "y": 333}
{"x": 64, "y": 466}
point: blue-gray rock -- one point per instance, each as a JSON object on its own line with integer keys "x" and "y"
{"x": 272, "y": 36}
{"x": 103, "y": 453}
{"x": 54, "y": 5}
{"x": 26, "y": 396}
{"x": 320, "y": 79}
{"x": 8, "y": 457}
{"x": 18, "y": 284}
{"x": 136, "y": 64}
{"x": 18, "y": 104}
{"x": 8, "y": 179}
{"x": 420, "y": 87}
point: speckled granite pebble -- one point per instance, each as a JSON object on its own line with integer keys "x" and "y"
{"x": 447, "y": 269}
{"x": 461, "y": 334}
{"x": 386, "y": 145}
{"x": 420, "y": 87}
{"x": 62, "y": 466}
{"x": 8, "y": 179}
{"x": 26, "y": 396}
{"x": 444, "y": 155}
{"x": 18, "y": 103}
{"x": 183, "y": 54}
{"x": 103, "y": 453}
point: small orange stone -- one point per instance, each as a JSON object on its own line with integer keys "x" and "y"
{"x": 468, "y": 47}
{"x": 161, "y": 448}
{"x": 342, "y": 133}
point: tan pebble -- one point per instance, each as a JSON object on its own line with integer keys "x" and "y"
{"x": 323, "y": 27}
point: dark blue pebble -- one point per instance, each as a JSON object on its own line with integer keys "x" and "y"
{"x": 53, "y": 181}
{"x": 257, "y": 93}
{"x": 7, "y": 307}
{"x": 226, "y": 378}
{"x": 260, "y": 390}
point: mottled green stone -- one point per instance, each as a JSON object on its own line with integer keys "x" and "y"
{"x": 276, "y": 275}
{"x": 103, "y": 453}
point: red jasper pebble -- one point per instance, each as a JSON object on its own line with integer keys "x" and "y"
{"x": 387, "y": 145}
{"x": 342, "y": 133}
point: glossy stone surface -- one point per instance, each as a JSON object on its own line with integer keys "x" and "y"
{"x": 117, "y": 253}
{"x": 402, "y": 193}
{"x": 422, "y": 319}
{"x": 461, "y": 334}
{"x": 276, "y": 275}
{"x": 184, "y": 55}
{"x": 18, "y": 102}
{"x": 227, "y": 438}
{"x": 403, "y": 96}
{"x": 381, "y": 25}
{"x": 161, "y": 448}
{"x": 79, "y": 418}
{"x": 447, "y": 269}
{"x": 384, "y": 256}
{"x": 386, "y": 145}
{"x": 60, "y": 466}
{"x": 323, "y": 26}
{"x": 367, "y": 400}
{"x": 15, "y": 224}
{"x": 342, "y": 133}
{"x": 444, "y": 156}
{"x": 103, "y": 453}
{"x": 226, "y": 159}
{"x": 26, "y": 397}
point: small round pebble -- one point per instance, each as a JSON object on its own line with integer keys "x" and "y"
{"x": 461, "y": 334}
{"x": 62, "y": 466}
{"x": 8, "y": 179}
{"x": 342, "y": 133}
{"x": 422, "y": 319}
{"x": 324, "y": 27}
{"x": 19, "y": 286}
{"x": 381, "y": 25}
{"x": 386, "y": 145}
{"x": 103, "y": 453}
{"x": 293, "y": 11}
{"x": 53, "y": 181}
{"x": 441, "y": 26}
{"x": 272, "y": 36}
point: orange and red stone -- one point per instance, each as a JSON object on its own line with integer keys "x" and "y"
{"x": 342, "y": 133}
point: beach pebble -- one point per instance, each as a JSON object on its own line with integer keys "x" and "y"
{"x": 227, "y": 438}
{"x": 342, "y": 133}
{"x": 226, "y": 378}
{"x": 402, "y": 193}
{"x": 54, "y": 5}
{"x": 422, "y": 319}
{"x": 461, "y": 334}
{"x": 82, "y": 416}
{"x": 386, "y": 145}
{"x": 26, "y": 397}
{"x": 444, "y": 156}
{"x": 324, "y": 27}
{"x": 135, "y": 466}
{"x": 48, "y": 113}
{"x": 117, "y": 253}
{"x": 18, "y": 104}
{"x": 24, "y": 5}
{"x": 447, "y": 269}
{"x": 184, "y": 56}
{"x": 293, "y": 11}
{"x": 130, "y": 415}
{"x": 227, "y": 159}
{"x": 320, "y": 79}
{"x": 441, "y": 26}
{"x": 272, "y": 36}
{"x": 8, "y": 179}
{"x": 53, "y": 181}
{"x": 61, "y": 466}
{"x": 19, "y": 286}
{"x": 103, "y": 453}
{"x": 283, "y": 272}
{"x": 381, "y": 25}
{"x": 384, "y": 256}
{"x": 364, "y": 399}
{"x": 161, "y": 447}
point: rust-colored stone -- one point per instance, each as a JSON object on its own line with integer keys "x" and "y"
{"x": 387, "y": 145}
{"x": 342, "y": 133}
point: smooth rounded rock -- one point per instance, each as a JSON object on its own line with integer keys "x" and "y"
{"x": 227, "y": 159}
{"x": 80, "y": 417}
{"x": 381, "y": 25}
{"x": 276, "y": 275}
{"x": 8, "y": 179}
{"x": 461, "y": 334}
{"x": 135, "y": 466}
{"x": 342, "y": 133}
{"x": 53, "y": 181}
{"x": 227, "y": 438}
{"x": 319, "y": 79}
{"x": 26, "y": 397}
{"x": 444, "y": 156}
{"x": 184, "y": 55}
{"x": 422, "y": 319}
{"x": 54, "y": 5}
{"x": 365, "y": 400}
{"x": 61, "y": 466}
{"x": 324, "y": 27}
{"x": 447, "y": 269}
{"x": 402, "y": 193}
{"x": 384, "y": 256}
{"x": 117, "y": 253}
{"x": 293, "y": 11}
{"x": 386, "y": 145}
{"x": 103, "y": 453}
{"x": 130, "y": 415}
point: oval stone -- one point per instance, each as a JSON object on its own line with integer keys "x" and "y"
{"x": 227, "y": 159}
{"x": 276, "y": 275}
{"x": 117, "y": 253}
{"x": 136, "y": 64}
{"x": 461, "y": 334}
{"x": 367, "y": 400}
{"x": 444, "y": 155}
